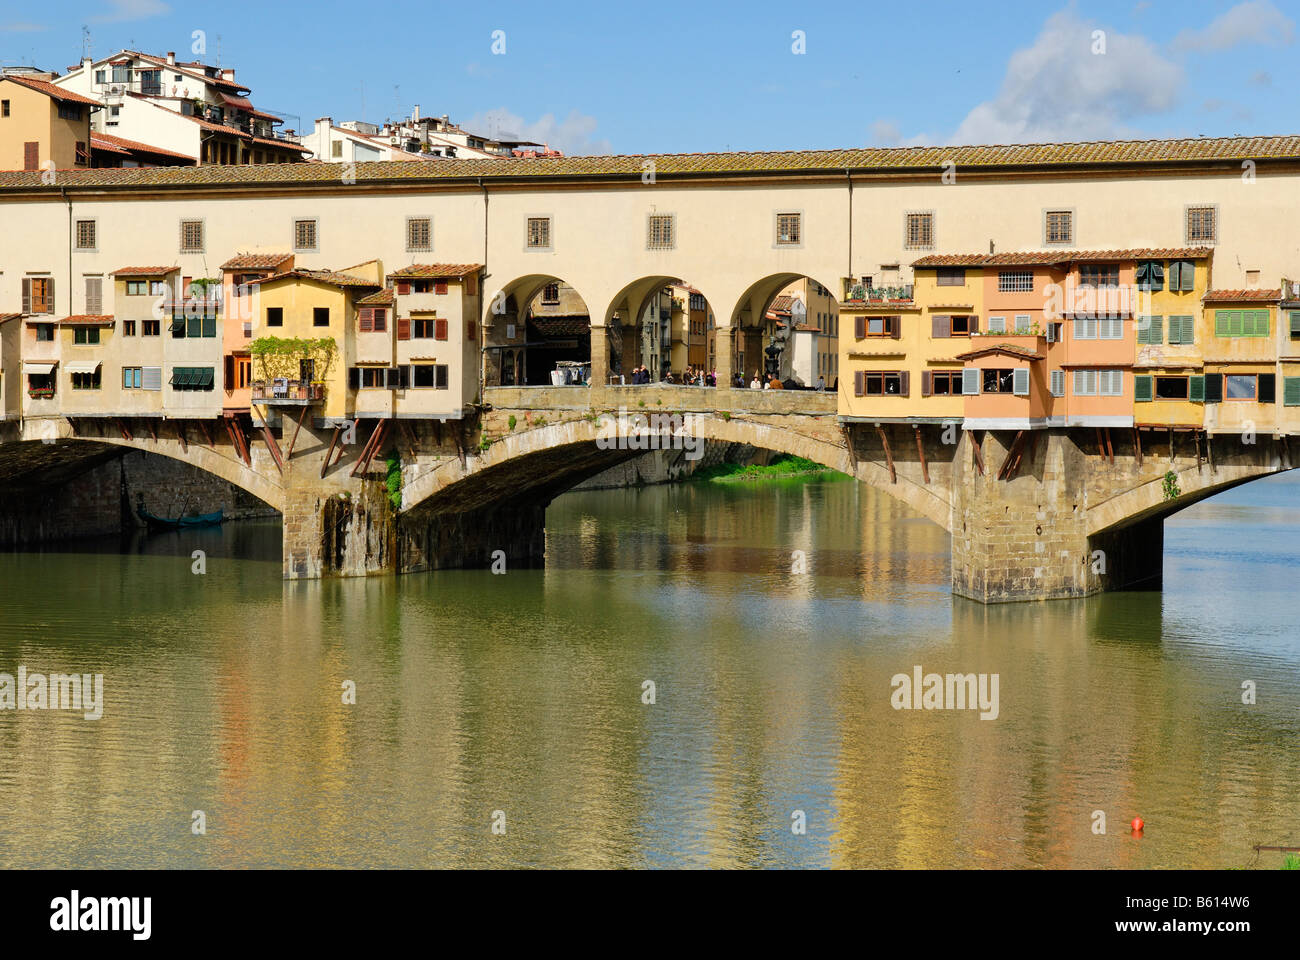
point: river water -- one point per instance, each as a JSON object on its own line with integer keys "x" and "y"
{"x": 517, "y": 699}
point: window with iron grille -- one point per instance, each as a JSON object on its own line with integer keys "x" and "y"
{"x": 539, "y": 232}
{"x": 789, "y": 228}
{"x": 551, "y": 293}
{"x": 659, "y": 231}
{"x": 191, "y": 236}
{"x": 919, "y": 231}
{"x": 304, "y": 235}
{"x": 1015, "y": 281}
{"x": 1059, "y": 227}
{"x": 1202, "y": 224}
{"x": 85, "y": 234}
{"x": 419, "y": 233}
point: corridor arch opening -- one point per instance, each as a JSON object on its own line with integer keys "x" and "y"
{"x": 661, "y": 329}
{"x": 786, "y": 325}
{"x": 534, "y": 327}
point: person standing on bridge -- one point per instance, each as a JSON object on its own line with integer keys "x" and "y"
{"x": 755, "y": 384}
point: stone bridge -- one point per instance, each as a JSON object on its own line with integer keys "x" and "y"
{"x": 1033, "y": 515}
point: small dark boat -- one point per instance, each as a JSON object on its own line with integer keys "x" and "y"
{"x": 178, "y": 523}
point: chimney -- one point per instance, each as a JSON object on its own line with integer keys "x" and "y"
{"x": 415, "y": 114}
{"x": 228, "y": 73}
{"x": 85, "y": 64}
{"x": 171, "y": 58}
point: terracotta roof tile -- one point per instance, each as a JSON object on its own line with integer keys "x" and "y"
{"x": 1124, "y": 153}
{"x": 1047, "y": 258}
{"x": 378, "y": 298}
{"x": 51, "y": 90}
{"x": 255, "y": 261}
{"x": 1009, "y": 349}
{"x": 1242, "y": 296}
{"x": 87, "y": 319}
{"x": 332, "y": 277}
{"x": 560, "y": 326}
{"x": 951, "y": 260}
{"x": 436, "y": 271}
{"x": 116, "y": 144}
{"x": 143, "y": 271}
{"x": 9, "y": 316}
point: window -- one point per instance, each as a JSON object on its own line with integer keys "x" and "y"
{"x": 94, "y": 294}
{"x": 1241, "y": 323}
{"x": 158, "y": 288}
{"x": 1098, "y": 275}
{"x": 304, "y": 235}
{"x": 128, "y": 328}
{"x": 40, "y": 385}
{"x": 789, "y": 228}
{"x": 1150, "y": 275}
{"x": 38, "y": 294}
{"x": 880, "y": 383}
{"x": 1098, "y": 383}
{"x": 1171, "y": 388}
{"x": 69, "y": 111}
{"x": 193, "y": 378}
{"x": 1058, "y": 226}
{"x": 432, "y": 375}
{"x": 945, "y": 383}
{"x": 336, "y": 149}
{"x": 1294, "y": 317}
{"x": 275, "y": 316}
{"x": 86, "y": 381}
{"x": 659, "y": 231}
{"x": 1151, "y": 329}
{"x": 121, "y": 73}
{"x": 1182, "y": 275}
{"x": 1182, "y": 330}
{"x": 419, "y": 233}
{"x": 439, "y": 329}
{"x": 4, "y": 108}
{"x": 1239, "y": 386}
{"x": 539, "y": 233}
{"x": 1015, "y": 281}
{"x": 85, "y": 336}
{"x": 137, "y": 288}
{"x": 150, "y": 328}
{"x": 1110, "y": 328}
{"x": 372, "y": 319}
{"x": 132, "y": 378}
{"x": 191, "y": 236}
{"x": 80, "y": 155}
{"x": 368, "y": 378}
{"x": 320, "y": 316}
{"x": 1085, "y": 328}
{"x": 551, "y": 293}
{"x": 950, "y": 277}
{"x": 1291, "y": 391}
{"x": 85, "y": 234}
{"x": 1058, "y": 383}
{"x": 997, "y": 324}
{"x": 422, "y": 328}
{"x": 1202, "y": 224}
{"x": 1024, "y": 323}
{"x": 918, "y": 231}
{"x": 998, "y": 381}
{"x": 440, "y": 288}
{"x": 876, "y": 327}
{"x": 44, "y": 332}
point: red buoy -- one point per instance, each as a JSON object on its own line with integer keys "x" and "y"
{"x": 1137, "y": 824}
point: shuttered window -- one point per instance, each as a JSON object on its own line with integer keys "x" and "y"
{"x": 1291, "y": 391}
{"x": 1241, "y": 323}
{"x": 1142, "y": 388}
{"x": 970, "y": 382}
{"x": 1058, "y": 383}
{"x": 1085, "y": 383}
{"x": 440, "y": 329}
{"x": 38, "y": 294}
{"x": 404, "y": 328}
{"x": 1150, "y": 275}
{"x": 94, "y": 295}
{"x": 1182, "y": 275}
{"x": 1295, "y": 324}
{"x": 1182, "y": 330}
{"x": 1196, "y": 389}
{"x": 1152, "y": 330}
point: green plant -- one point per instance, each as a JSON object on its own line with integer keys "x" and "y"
{"x": 641, "y": 403}
{"x": 484, "y": 441}
{"x": 512, "y": 421}
{"x": 726, "y": 414}
{"x": 283, "y": 356}
{"x": 1292, "y": 862}
{"x": 539, "y": 422}
{"x": 1172, "y": 492}
{"x": 393, "y": 480}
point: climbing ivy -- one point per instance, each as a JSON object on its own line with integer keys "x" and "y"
{"x": 280, "y": 356}
{"x": 393, "y": 480}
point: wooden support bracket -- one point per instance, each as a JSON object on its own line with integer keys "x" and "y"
{"x": 889, "y": 457}
{"x": 920, "y": 450}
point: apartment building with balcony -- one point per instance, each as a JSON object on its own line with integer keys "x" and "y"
{"x": 437, "y": 339}
{"x": 190, "y": 109}
{"x": 240, "y": 321}
{"x": 136, "y": 357}
{"x": 43, "y": 126}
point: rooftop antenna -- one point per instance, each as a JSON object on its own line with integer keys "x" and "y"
{"x": 85, "y": 41}
{"x": 218, "y": 50}
{"x": 363, "y": 100}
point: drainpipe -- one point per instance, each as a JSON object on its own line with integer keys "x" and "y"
{"x": 482, "y": 292}
{"x": 849, "y": 180}
{"x": 63, "y": 192}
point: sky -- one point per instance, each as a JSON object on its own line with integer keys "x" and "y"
{"x": 674, "y": 77}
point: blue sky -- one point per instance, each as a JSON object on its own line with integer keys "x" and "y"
{"x": 685, "y": 77}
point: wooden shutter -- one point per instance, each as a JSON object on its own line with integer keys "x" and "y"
{"x": 471, "y": 330}
{"x": 403, "y": 328}
{"x": 927, "y": 383}
{"x": 1211, "y": 389}
{"x": 27, "y": 294}
{"x": 859, "y": 329}
{"x": 393, "y": 378}
{"x": 974, "y": 322}
{"x": 1143, "y": 385}
{"x": 904, "y": 383}
{"x": 1291, "y": 391}
{"x": 1187, "y": 279}
{"x": 440, "y": 287}
{"x": 31, "y": 155}
{"x": 895, "y": 327}
{"x": 94, "y": 295}
{"x": 940, "y": 326}
{"x": 230, "y": 371}
{"x": 366, "y": 319}
{"x": 354, "y": 378}
{"x": 1267, "y": 392}
{"x": 859, "y": 379}
{"x": 1020, "y": 381}
{"x": 1196, "y": 389}
{"x": 440, "y": 329}
{"x": 403, "y": 287}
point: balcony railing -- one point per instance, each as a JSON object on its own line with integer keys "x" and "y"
{"x": 287, "y": 391}
{"x": 40, "y": 393}
{"x": 855, "y": 292}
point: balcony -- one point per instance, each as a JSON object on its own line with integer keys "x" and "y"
{"x": 856, "y": 292}
{"x": 288, "y": 393}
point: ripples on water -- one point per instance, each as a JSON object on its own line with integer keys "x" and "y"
{"x": 522, "y": 693}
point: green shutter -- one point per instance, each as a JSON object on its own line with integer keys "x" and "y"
{"x": 1142, "y": 388}
{"x": 1150, "y": 330}
{"x": 1291, "y": 391}
{"x": 1259, "y": 327}
{"x": 1295, "y": 323}
{"x": 1196, "y": 389}
{"x": 1213, "y": 387}
{"x": 1188, "y": 325}
{"x": 1186, "y": 275}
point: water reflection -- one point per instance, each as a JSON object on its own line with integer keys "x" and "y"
{"x": 523, "y": 693}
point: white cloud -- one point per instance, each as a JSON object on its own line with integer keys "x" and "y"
{"x": 1256, "y": 21}
{"x": 120, "y": 11}
{"x": 1262, "y": 78}
{"x": 885, "y": 133}
{"x": 573, "y": 134}
{"x": 1058, "y": 89}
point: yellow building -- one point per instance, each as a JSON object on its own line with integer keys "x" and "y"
{"x": 303, "y": 331}
{"x": 42, "y": 127}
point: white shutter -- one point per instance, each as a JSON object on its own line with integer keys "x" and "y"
{"x": 970, "y": 381}
{"x": 151, "y": 378}
{"x": 1058, "y": 383}
{"x": 997, "y": 324}
{"x": 1020, "y": 382}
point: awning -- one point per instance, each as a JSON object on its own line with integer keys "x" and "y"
{"x": 82, "y": 366}
{"x": 197, "y": 378}
{"x": 38, "y": 368}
